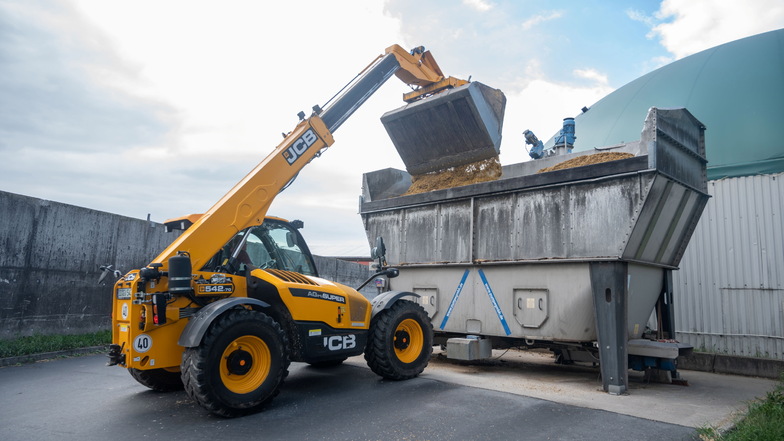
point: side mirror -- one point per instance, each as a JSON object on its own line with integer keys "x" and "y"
{"x": 291, "y": 241}
{"x": 390, "y": 272}
{"x": 379, "y": 251}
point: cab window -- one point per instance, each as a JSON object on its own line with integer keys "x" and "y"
{"x": 270, "y": 245}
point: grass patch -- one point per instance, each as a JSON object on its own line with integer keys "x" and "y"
{"x": 37, "y": 344}
{"x": 764, "y": 421}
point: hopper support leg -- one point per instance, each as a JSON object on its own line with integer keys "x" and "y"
{"x": 664, "y": 307}
{"x": 610, "y": 296}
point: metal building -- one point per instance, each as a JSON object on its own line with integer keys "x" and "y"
{"x": 732, "y": 273}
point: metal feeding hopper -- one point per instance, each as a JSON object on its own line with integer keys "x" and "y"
{"x": 579, "y": 255}
{"x": 455, "y": 127}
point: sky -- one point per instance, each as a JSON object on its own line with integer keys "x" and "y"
{"x": 159, "y": 107}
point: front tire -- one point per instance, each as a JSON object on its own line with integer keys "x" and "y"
{"x": 400, "y": 341}
{"x": 240, "y": 364}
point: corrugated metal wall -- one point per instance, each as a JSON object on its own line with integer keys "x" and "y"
{"x": 729, "y": 292}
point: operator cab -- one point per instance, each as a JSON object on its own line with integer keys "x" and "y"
{"x": 275, "y": 244}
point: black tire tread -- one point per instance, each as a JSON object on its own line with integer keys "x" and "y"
{"x": 194, "y": 363}
{"x": 379, "y": 352}
{"x": 159, "y": 380}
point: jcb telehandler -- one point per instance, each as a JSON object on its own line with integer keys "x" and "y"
{"x": 224, "y": 309}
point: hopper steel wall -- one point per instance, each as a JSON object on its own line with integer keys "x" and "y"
{"x": 642, "y": 209}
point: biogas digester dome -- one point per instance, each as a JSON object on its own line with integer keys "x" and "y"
{"x": 736, "y": 90}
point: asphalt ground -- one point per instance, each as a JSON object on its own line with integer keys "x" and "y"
{"x": 516, "y": 396}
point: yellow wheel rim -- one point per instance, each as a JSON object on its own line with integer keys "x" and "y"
{"x": 245, "y": 364}
{"x": 408, "y": 340}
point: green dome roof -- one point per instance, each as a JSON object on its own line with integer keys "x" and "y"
{"x": 736, "y": 90}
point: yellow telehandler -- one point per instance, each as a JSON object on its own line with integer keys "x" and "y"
{"x": 236, "y": 297}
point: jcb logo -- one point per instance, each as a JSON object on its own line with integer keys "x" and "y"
{"x": 299, "y": 146}
{"x": 340, "y": 342}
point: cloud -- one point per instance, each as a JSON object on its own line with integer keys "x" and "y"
{"x": 100, "y": 112}
{"x": 66, "y": 135}
{"x": 490, "y": 47}
{"x": 48, "y": 97}
{"x": 104, "y": 106}
{"x": 332, "y": 225}
{"x": 541, "y": 18}
{"x": 541, "y": 105}
{"x": 688, "y": 27}
{"x": 592, "y": 74}
{"x": 137, "y": 107}
{"x": 238, "y": 73}
{"x": 479, "y": 5}
{"x": 642, "y": 17}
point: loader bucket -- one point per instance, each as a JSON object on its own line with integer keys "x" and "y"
{"x": 455, "y": 127}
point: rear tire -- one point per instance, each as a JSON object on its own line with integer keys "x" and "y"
{"x": 240, "y": 364}
{"x": 159, "y": 380}
{"x": 400, "y": 341}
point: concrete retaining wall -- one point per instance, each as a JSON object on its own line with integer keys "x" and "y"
{"x": 49, "y": 264}
{"x": 347, "y": 273}
{"x": 50, "y": 258}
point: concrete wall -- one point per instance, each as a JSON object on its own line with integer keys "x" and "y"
{"x": 49, "y": 264}
{"x": 50, "y": 258}
{"x": 347, "y": 273}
